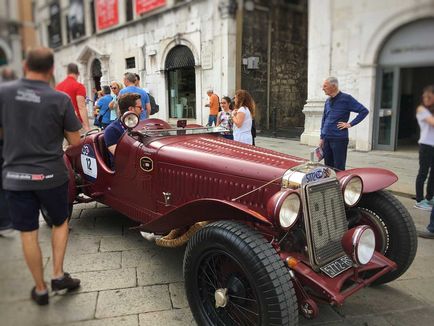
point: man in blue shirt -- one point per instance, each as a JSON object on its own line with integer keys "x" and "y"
{"x": 335, "y": 125}
{"x": 130, "y": 81}
{"x": 103, "y": 106}
{"x": 113, "y": 133}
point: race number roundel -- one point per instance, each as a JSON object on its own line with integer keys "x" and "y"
{"x": 88, "y": 162}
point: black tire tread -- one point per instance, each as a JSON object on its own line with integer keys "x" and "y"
{"x": 403, "y": 226}
{"x": 270, "y": 272}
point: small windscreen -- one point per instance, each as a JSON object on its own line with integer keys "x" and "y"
{"x": 182, "y": 131}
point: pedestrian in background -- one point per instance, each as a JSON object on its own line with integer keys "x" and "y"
{"x": 103, "y": 107}
{"x": 34, "y": 172}
{"x": 115, "y": 88}
{"x": 8, "y": 74}
{"x": 76, "y": 92}
{"x": 5, "y": 219}
{"x": 130, "y": 87}
{"x": 242, "y": 116}
{"x": 425, "y": 119}
{"x": 224, "y": 118}
{"x": 213, "y": 107}
{"x": 335, "y": 125}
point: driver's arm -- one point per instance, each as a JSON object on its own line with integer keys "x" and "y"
{"x": 73, "y": 137}
{"x": 81, "y": 103}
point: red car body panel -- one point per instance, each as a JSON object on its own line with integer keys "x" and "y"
{"x": 170, "y": 182}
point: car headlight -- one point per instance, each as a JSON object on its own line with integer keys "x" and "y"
{"x": 359, "y": 243}
{"x": 284, "y": 208}
{"x": 130, "y": 120}
{"x": 352, "y": 189}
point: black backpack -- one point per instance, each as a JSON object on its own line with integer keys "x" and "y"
{"x": 154, "y": 106}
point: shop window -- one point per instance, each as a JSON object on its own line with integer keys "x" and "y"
{"x": 129, "y": 9}
{"x": 130, "y": 63}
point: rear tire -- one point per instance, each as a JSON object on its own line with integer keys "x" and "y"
{"x": 230, "y": 256}
{"x": 394, "y": 229}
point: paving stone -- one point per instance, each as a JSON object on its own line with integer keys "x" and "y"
{"x": 150, "y": 251}
{"x": 157, "y": 272}
{"x": 174, "y": 317}
{"x": 420, "y": 317}
{"x": 177, "y": 295}
{"x": 137, "y": 300}
{"x": 420, "y": 268}
{"x": 107, "y": 280}
{"x": 79, "y": 245}
{"x": 93, "y": 262}
{"x": 120, "y": 243}
{"x": 379, "y": 300}
{"x": 62, "y": 308}
{"x": 132, "y": 320}
{"x": 420, "y": 288}
{"x": 10, "y": 247}
{"x": 85, "y": 205}
{"x": 14, "y": 289}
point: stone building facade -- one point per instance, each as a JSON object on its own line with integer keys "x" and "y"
{"x": 182, "y": 48}
{"x": 383, "y": 54}
{"x": 10, "y": 40}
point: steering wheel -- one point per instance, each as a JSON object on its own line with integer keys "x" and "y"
{"x": 91, "y": 132}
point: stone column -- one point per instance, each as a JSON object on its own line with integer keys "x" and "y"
{"x": 319, "y": 67}
{"x": 105, "y": 69}
{"x": 228, "y": 9}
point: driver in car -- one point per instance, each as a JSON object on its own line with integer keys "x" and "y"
{"x": 115, "y": 130}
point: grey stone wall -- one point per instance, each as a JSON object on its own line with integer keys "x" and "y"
{"x": 288, "y": 70}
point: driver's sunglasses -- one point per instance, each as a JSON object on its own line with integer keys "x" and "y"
{"x": 136, "y": 106}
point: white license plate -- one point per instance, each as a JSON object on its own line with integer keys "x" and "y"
{"x": 337, "y": 266}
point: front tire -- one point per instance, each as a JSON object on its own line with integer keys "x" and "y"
{"x": 394, "y": 229}
{"x": 233, "y": 276}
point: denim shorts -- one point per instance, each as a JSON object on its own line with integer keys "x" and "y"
{"x": 24, "y": 207}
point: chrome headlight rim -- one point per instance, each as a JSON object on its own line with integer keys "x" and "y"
{"x": 359, "y": 243}
{"x": 130, "y": 120}
{"x": 288, "y": 209}
{"x": 352, "y": 189}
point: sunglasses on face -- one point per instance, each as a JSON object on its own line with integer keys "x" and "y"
{"x": 113, "y": 87}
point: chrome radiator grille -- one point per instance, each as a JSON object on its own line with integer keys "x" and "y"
{"x": 326, "y": 220}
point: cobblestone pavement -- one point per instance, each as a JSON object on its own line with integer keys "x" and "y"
{"x": 129, "y": 281}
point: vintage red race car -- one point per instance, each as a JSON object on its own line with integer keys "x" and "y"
{"x": 268, "y": 235}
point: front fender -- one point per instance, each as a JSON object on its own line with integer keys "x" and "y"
{"x": 374, "y": 179}
{"x": 206, "y": 209}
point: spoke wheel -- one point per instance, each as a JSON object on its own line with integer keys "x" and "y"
{"x": 227, "y": 294}
{"x": 233, "y": 276}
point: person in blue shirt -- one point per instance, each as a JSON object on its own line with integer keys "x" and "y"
{"x": 103, "y": 107}
{"x": 335, "y": 125}
{"x": 130, "y": 81}
{"x": 113, "y": 133}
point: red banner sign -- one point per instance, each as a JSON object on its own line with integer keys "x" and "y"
{"x": 107, "y": 13}
{"x": 143, "y": 6}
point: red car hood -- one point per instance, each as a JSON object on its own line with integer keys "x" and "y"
{"x": 219, "y": 155}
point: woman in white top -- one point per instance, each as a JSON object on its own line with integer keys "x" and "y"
{"x": 242, "y": 117}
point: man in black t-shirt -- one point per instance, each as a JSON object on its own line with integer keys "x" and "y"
{"x": 34, "y": 118}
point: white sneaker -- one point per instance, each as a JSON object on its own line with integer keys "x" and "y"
{"x": 150, "y": 236}
{"x": 423, "y": 205}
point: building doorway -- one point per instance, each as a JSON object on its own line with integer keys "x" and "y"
{"x": 181, "y": 83}
{"x": 406, "y": 66}
{"x": 96, "y": 74}
{"x": 3, "y": 58}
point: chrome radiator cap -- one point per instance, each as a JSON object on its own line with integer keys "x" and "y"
{"x": 305, "y": 173}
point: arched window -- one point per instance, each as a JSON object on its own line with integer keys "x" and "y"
{"x": 181, "y": 78}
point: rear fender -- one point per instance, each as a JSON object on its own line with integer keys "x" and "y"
{"x": 374, "y": 179}
{"x": 205, "y": 209}
{"x": 72, "y": 188}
